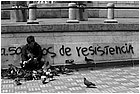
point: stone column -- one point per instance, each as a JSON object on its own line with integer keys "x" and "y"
{"x": 110, "y": 14}
{"x": 32, "y": 14}
{"x": 72, "y": 13}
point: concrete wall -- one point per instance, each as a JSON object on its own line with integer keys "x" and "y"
{"x": 101, "y": 42}
{"x": 92, "y": 13}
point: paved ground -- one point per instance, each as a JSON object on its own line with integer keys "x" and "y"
{"x": 63, "y": 21}
{"x": 109, "y": 80}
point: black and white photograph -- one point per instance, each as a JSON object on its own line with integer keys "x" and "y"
{"x": 70, "y": 46}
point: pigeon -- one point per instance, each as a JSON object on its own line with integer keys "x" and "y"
{"x": 17, "y": 81}
{"x": 50, "y": 75}
{"x": 63, "y": 68}
{"x": 56, "y": 71}
{"x": 44, "y": 79}
{"x": 89, "y": 60}
{"x": 35, "y": 75}
{"x": 88, "y": 83}
{"x": 68, "y": 70}
{"x": 12, "y": 71}
{"x": 70, "y": 61}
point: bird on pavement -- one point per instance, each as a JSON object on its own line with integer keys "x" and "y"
{"x": 89, "y": 60}
{"x": 17, "y": 81}
{"x": 88, "y": 83}
{"x": 70, "y": 61}
{"x": 44, "y": 79}
{"x": 51, "y": 74}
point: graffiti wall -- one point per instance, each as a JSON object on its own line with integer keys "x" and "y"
{"x": 57, "y": 52}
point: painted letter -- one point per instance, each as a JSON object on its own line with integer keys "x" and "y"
{"x": 62, "y": 51}
{"x": 100, "y": 50}
{"x": 67, "y": 50}
{"x": 78, "y": 51}
{"x": 106, "y": 49}
{"x": 131, "y": 49}
{"x": 111, "y": 50}
{"x": 84, "y": 50}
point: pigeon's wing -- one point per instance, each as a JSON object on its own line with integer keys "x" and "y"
{"x": 87, "y": 82}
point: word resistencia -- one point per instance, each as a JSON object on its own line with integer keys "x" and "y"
{"x": 104, "y": 50}
{"x": 85, "y": 51}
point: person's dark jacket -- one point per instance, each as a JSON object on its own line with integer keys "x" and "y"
{"x": 32, "y": 48}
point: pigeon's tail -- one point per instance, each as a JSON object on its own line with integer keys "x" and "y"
{"x": 93, "y": 84}
{"x": 87, "y": 59}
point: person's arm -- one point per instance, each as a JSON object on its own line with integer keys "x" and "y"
{"x": 39, "y": 53}
{"x": 23, "y": 54}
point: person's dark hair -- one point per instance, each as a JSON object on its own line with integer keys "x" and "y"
{"x": 30, "y": 39}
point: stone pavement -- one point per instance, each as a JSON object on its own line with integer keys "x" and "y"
{"x": 108, "y": 80}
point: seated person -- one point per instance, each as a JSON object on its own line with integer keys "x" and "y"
{"x": 31, "y": 55}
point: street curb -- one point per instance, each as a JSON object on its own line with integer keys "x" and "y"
{"x": 105, "y": 64}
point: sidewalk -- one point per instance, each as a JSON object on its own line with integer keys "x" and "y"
{"x": 107, "y": 80}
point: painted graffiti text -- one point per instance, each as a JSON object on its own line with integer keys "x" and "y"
{"x": 79, "y": 50}
{"x": 106, "y": 50}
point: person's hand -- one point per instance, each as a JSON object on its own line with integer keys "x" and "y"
{"x": 24, "y": 62}
{"x": 35, "y": 60}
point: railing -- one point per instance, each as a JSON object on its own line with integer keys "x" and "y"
{"x": 45, "y": 2}
{"x": 72, "y": 11}
{"x": 68, "y": 8}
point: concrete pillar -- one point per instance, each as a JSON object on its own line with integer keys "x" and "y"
{"x": 19, "y": 14}
{"x": 32, "y": 14}
{"x": 72, "y": 13}
{"x": 110, "y": 14}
